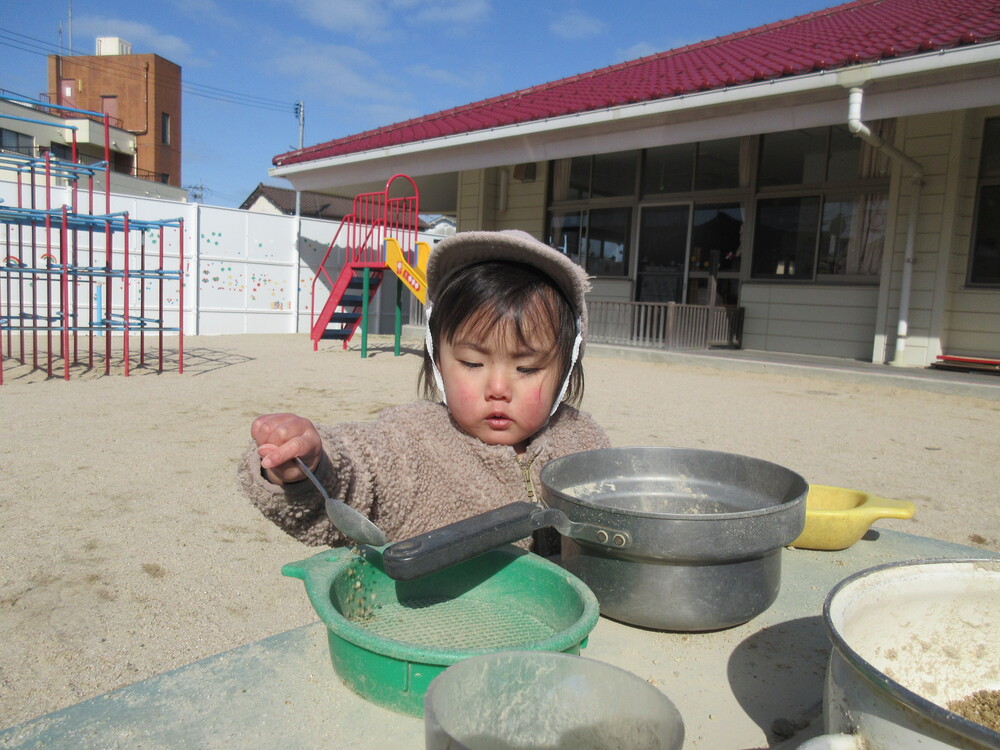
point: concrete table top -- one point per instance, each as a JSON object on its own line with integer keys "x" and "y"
{"x": 730, "y": 686}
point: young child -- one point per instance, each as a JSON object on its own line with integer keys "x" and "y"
{"x": 506, "y": 320}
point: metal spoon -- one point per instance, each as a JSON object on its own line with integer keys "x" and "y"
{"x": 344, "y": 517}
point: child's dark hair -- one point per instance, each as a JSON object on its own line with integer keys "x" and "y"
{"x": 485, "y": 297}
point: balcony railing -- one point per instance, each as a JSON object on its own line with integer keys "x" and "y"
{"x": 114, "y": 122}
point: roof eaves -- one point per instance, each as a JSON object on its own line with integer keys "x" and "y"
{"x": 698, "y": 67}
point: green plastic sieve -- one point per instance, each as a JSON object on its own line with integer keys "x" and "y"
{"x": 388, "y": 639}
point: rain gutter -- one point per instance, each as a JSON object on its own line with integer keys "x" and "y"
{"x": 862, "y": 131}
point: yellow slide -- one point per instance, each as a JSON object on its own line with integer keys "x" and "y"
{"x": 414, "y": 278}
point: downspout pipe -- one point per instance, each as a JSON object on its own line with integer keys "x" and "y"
{"x": 862, "y": 131}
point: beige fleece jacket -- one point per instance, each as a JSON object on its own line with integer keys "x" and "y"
{"x": 411, "y": 470}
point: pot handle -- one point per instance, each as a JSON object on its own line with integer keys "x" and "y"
{"x": 434, "y": 550}
{"x": 833, "y": 742}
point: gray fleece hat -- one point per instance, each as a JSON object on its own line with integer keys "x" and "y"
{"x": 466, "y": 248}
{"x": 515, "y": 246}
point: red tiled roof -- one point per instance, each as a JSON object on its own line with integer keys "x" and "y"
{"x": 857, "y": 32}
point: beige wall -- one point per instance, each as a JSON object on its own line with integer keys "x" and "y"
{"x": 830, "y": 321}
{"x": 479, "y": 202}
{"x": 945, "y": 315}
{"x": 970, "y": 317}
{"x": 858, "y": 322}
{"x": 927, "y": 139}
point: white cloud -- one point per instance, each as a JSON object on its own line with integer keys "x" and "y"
{"x": 143, "y": 37}
{"x": 336, "y": 73}
{"x": 366, "y": 17}
{"x": 349, "y": 16}
{"x": 637, "y": 50}
{"x": 460, "y": 12}
{"x": 207, "y": 11}
{"x": 576, "y": 25}
{"x": 439, "y": 75}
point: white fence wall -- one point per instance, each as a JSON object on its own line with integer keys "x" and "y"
{"x": 244, "y": 272}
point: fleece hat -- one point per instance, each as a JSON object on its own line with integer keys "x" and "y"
{"x": 514, "y": 246}
{"x": 465, "y": 248}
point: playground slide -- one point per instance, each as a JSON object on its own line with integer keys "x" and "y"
{"x": 414, "y": 278}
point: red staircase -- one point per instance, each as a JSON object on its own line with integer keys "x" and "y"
{"x": 375, "y": 217}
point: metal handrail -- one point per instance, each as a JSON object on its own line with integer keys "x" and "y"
{"x": 372, "y": 217}
{"x": 653, "y": 325}
{"x": 664, "y": 325}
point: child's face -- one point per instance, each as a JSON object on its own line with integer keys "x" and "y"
{"x": 497, "y": 389}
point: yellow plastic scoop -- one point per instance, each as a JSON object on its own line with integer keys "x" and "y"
{"x": 836, "y": 517}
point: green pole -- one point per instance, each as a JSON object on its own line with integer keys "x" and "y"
{"x": 399, "y": 316}
{"x": 364, "y": 312}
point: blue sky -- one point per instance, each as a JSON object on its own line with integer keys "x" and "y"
{"x": 357, "y": 64}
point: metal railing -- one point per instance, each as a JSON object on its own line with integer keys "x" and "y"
{"x": 664, "y": 325}
{"x": 145, "y": 174}
{"x": 652, "y": 325}
{"x": 47, "y": 97}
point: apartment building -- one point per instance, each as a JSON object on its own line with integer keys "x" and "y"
{"x": 141, "y": 93}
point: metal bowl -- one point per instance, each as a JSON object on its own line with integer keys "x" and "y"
{"x": 908, "y": 639}
{"x": 707, "y": 529}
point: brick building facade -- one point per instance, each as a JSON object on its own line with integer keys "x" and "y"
{"x": 140, "y": 93}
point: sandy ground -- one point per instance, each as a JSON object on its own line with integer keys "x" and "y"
{"x": 128, "y": 550}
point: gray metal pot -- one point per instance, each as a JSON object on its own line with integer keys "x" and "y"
{"x": 705, "y": 530}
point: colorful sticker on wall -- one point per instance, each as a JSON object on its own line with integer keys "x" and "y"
{"x": 230, "y": 283}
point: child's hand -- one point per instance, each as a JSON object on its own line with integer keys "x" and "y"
{"x": 282, "y": 437}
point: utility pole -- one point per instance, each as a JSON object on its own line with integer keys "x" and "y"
{"x": 300, "y": 113}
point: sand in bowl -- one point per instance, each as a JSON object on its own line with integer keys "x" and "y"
{"x": 982, "y": 707}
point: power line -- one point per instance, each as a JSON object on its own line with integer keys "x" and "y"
{"x": 107, "y": 63}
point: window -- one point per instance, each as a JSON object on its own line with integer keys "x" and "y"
{"x": 785, "y": 238}
{"x": 668, "y": 169}
{"x": 597, "y": 239}
{"x": 61, "y": 151}
{"x": 828, "y": 223}
{"x": 984, "y": 258}
{"x": 613, "y": 175}
{"x": 607, "y": 242}
{"x": 813, "y": 238}
{"x": 18, "y": 143}
{"x": 851, "y": 236}
{"x": 601, "y": 176}
{"x": 718, "y": 165}
{"x": 165, "y": 128}
{"x": 663, "y": 243}
{"x": 709, "y": 165}
{"x": 566, "y": 234}
{"x": 793, "y": 157}
{"x": 716, "y": 232}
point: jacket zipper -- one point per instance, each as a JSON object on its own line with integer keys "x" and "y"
{"x": 525, "y": 467}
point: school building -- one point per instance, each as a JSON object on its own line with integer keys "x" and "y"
{"x": 834, "y": 177}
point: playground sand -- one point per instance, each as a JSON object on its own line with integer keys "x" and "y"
{"x": 128, "y": 550}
